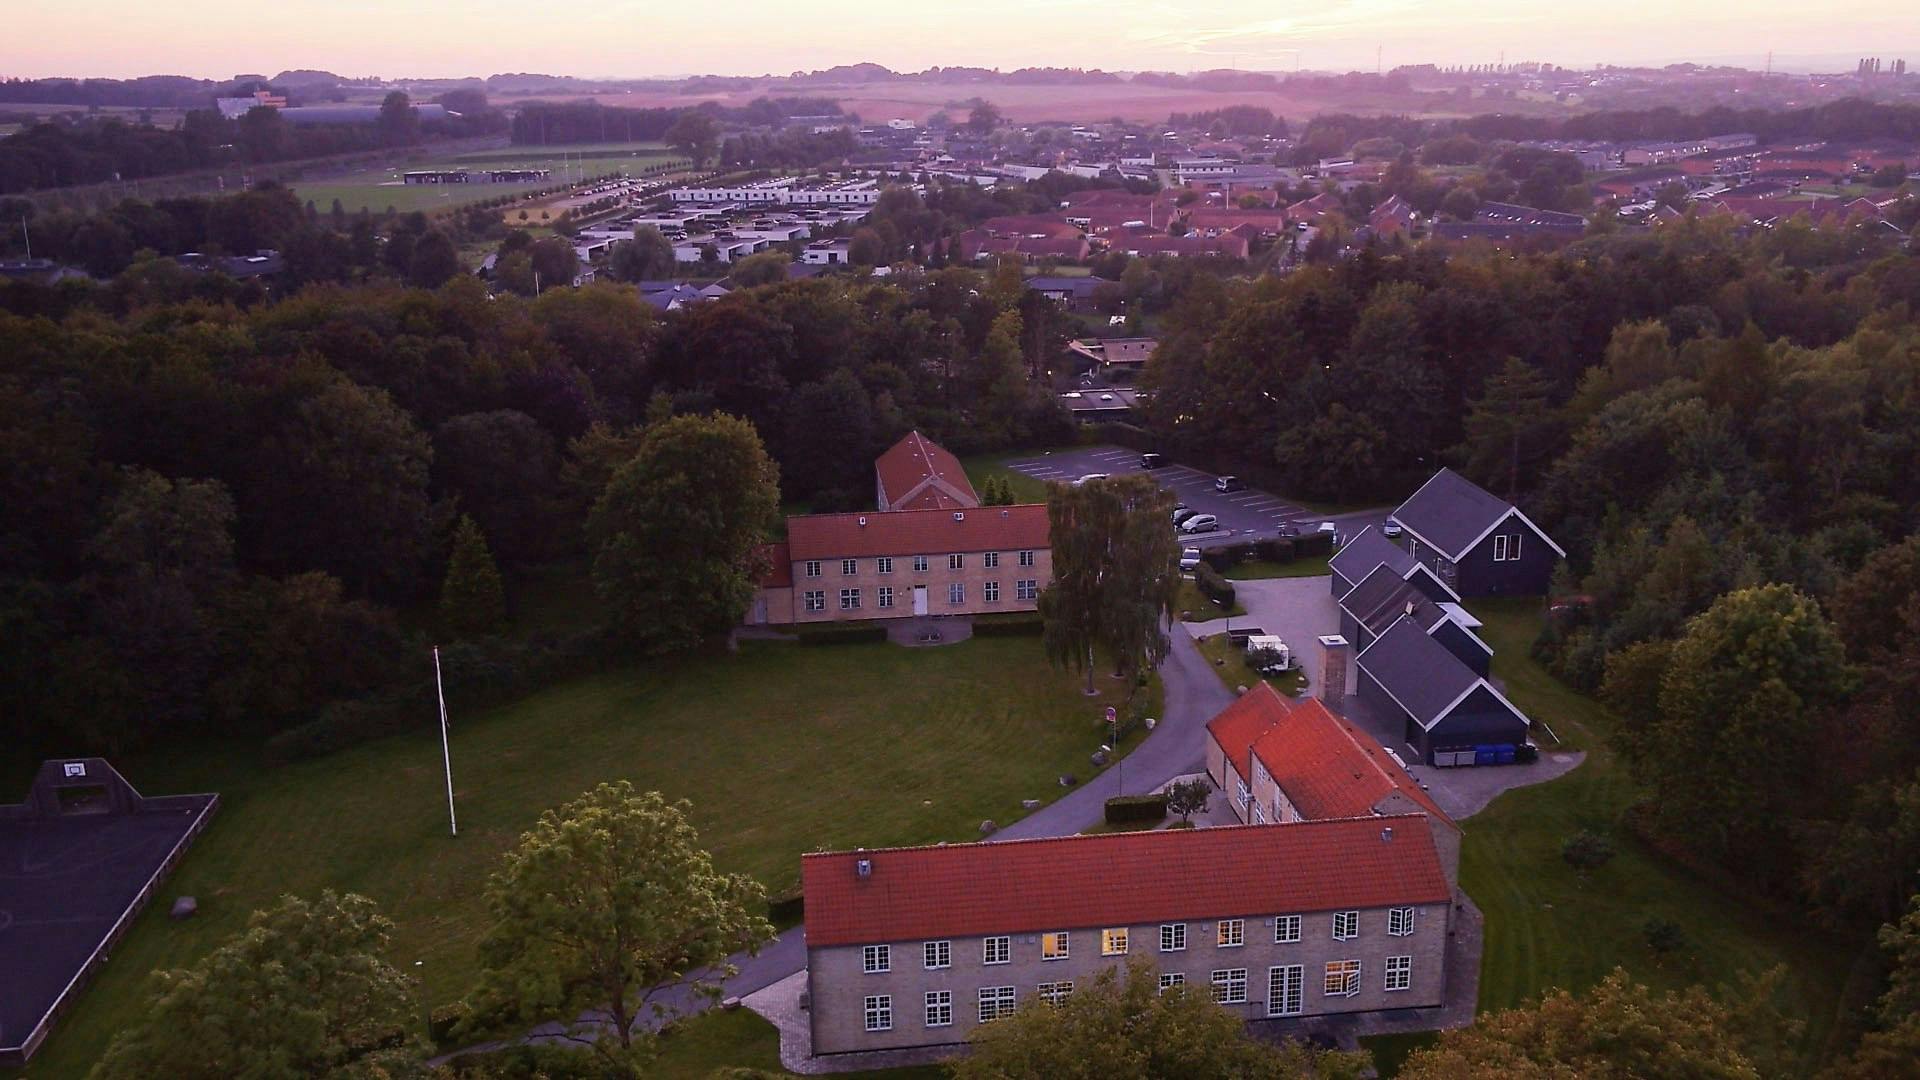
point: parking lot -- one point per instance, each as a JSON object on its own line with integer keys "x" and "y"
{"x": 1244, "y": 515}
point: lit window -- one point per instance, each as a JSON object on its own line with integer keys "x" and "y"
{"x": 1113, "y": 942}
{"x": 1399, "y": 972}
{"x": 995, "y": 1002}
{"x": 884, "y": 564}
{"x": 956, "y": 562}
{"x": 990, "y": 592}
{"x": 1285, "y": 986}
{"x": 813, "y": 567}
{"x": 1233, "y": 933}
{"x": 996, "y": 950}
{"x": 885, "y": 598}
{"x": 1053, "y": 946}
{"x": 875, "y": 959}
{"x": 1230, "y": 986}
{"x": 1286, "y": 928}
{"x": 1171, "y": 979}
{"x": 1342, "y": 978}
{"x": 956, "y": 593}
{"x": 1173, "y": 936}
{"x": 1400, "y": 921}
{"x": 938, "y": 954}
{"x": 1054, "y": 993}
{"x": 920, "y": 563}
{"x": 849, "y": 567}
{"x": 939, "y": 1008}
{"x": 1346, "y": 925}
{"x": 990, "y": 560}
{"x": 879, "y": 1012}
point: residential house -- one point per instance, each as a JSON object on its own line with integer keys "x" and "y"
{"x": 917, "y": 473}
{"x": 1233, "y": 244}
{"x": 1384, "y": 599}
{"x": 1097, "y": 406}
{"x": 1074, "y": 293}
{"x": 911, "y": 947}
{"x": 1445, "y": 709}
{"x": 1362, "y": 552}
{"x": 1115, "y": 359}
{"x": 1394, "y": 217}
{"x": 1477, "y": 543}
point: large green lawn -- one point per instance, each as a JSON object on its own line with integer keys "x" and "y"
{"x": 1548, "y": 927}
{"x": 376, "y": 188}
{"x": 783, "y": 749}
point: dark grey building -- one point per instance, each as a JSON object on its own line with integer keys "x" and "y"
{"x": 1477, "y": 543}
{"x": 1367, "y": 549}
{"x": 1443, "y": 707}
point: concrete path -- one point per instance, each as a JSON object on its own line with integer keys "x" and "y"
{"x": 1297, "y": 610}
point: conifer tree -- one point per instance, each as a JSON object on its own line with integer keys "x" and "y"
{"x": 472, "y": 599}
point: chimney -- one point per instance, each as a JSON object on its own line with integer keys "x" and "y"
{"x": 1335, "y": 671}
{"x": 863, "y": 868}
{"x": 863, "y": 521}
{"x": 1386, "y": 835}
{"x": 959, "y": 516}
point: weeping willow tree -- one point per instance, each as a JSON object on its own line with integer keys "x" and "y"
{"x": 1115, "y": 576}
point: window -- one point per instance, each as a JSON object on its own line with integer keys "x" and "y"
{"x": 816, "y": 600}
{"x": 849, "y": 567}
{"x": 1500, "y": 549}
{"x": 995, "y": 1002}
{"x": 1053, "y": 946}
{"x": 956, "y": 562}
{"x": 996, "y": 950}
{"x": 875, "y": 959}
{"x": 1055, "y": 993}
{"x": 886, "y": 596}
{"x": 1028, "y": 589}
{"x": 939, "y": 1008}
{"x": 1400, "y": 921}
{"x": 813, "y": 567}
{"x": 1026, "y": 558}
{"x": 990, "y": 560}
{"x": 1259, "y": 814}
{"x": 1173, "y": 936}
{"x": 880, "y": 1012}
{"x": 1171, "y": 979}
{"x": 937, "y": 954}
{"x": 1285, "y": 987}
{"x": 1230, "y": 986}
{"x": 1241, "y": 792}
{"x": 1233, "y": 933}
{"x": 1399, "y": 972}
{"x": 1513, "y": 547}
{"x": 956, "y": 593}
{"x": 849, "y": 599}
{"x": 884, "y": 564}
{"x": 1286, "y": 928}
{"x": 1342, "y": 979}
{"x": 990, "y": 592}
{"x": 1346, "y": 925}
{"x": 1113, "y": 942}
{"x": 920, "y": 563}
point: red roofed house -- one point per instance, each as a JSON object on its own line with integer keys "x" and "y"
{"x": 1282, "y": 760}
{"x": 912, "y": 947}
{"x": 931, "y": 549}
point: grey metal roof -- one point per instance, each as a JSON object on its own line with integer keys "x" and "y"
{"x": 1383, "y": 597}
{"x": 1417, "y": 671}
{"x": 1367, "y": 550}
{"x": 1450, "y": 512}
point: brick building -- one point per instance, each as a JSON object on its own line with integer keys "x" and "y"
{"x": 915, "y": 947}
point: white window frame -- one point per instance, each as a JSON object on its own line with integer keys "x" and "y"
{"x": 1027, "y": 589}
{"x": 849, "y": 567}
{"x": 1348, "y": 971}
{"x": 1113, "y": 941}
{"x": 990, "y": 559}
{"x": 990, "y": 592}
{"x": 849, "y": 599}
{"x": 920, "y": 564}
{"x": 939, "y": 1008}
{"x": 1513, "y": 547}
{"x": 1399, "y": 975}
{"x": 816, "y": 599}
{"x": 884, "y": 564}
{"x": 1500, "y": 547}
{"x": 879, "y": 1012}
{"x": 956, "y": 561}
{"x": 876, "y": 959}
{"x": 1171, "y": 979}
{"x": 813, "y": 568}
{"x": 1026, "y": 558}
{"x": 1055, "y": 993}
{"x": 1286, "y": 929}
{"x": 1230, "y": 986}
{"x": 1001, "y": 946}
{"x": 935, "y": 955}
{"x": 1048, "y": 940}
{"x": 1241, "y": 792}
{"x": 956, "y": 592}
{"x": 1346, "y": 925}
{"x": 1175, "y": 932}
{"x": 1230, "y": 934}
{"x": 884, "y": 598}
{"x": 1259, "y": 814}
{"x": 1284, "y": 999}
{"x": 996, "y": 1002}
{"x": 1400, "y": 922}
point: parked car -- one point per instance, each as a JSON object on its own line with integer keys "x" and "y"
{"x": 1181, "y": 515}
{"x": 1189, "y": 558}
{"x": 1089, "y": 478}
{"x": 1151, "y": 461}
{"x": 1390, "y": 529}
{"x": 1327, "y": 527}
{"x": 1199, "y": 523}
{"x": 1228, "y": 483}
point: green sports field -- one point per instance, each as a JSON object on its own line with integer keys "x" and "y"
{"x": 376, "y": 189}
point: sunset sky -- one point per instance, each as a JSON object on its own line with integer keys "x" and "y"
{"x": 220, "y": 38}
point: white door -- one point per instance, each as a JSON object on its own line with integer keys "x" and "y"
{"x": 919, "y": 599}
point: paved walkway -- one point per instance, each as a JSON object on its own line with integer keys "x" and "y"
{"x": 1297, "y": 610}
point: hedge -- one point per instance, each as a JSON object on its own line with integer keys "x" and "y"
{"x": 787, "y": 909}
{"x": 1217, "y": 588}
{"x": 841, "y": 635}
{"x": 1127, "y": 809}
{"x": 1024, "y": 624}
{"x": 1224, "y": 559}
{"x": 1312, "y": 545}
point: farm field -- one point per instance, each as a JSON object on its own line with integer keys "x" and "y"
{"x": 376, "y": 189}
{"x": 782, "y": 748}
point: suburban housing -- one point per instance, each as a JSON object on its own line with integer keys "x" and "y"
{"x": 1479, "y": 544}
{"x": 912, "y": 947}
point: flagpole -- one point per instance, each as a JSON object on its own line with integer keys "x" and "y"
{"x": 446, "y": 754}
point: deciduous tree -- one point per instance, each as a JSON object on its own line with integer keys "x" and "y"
{"x": 1115, "y": 574}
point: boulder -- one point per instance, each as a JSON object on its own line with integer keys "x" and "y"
{"x": 987, "y": 828}
{"x": 184, "y": 907}
{"x": 1068, "y": 781}
{"x": 1098, "y": 757}
{"x": 1029, "y": 804}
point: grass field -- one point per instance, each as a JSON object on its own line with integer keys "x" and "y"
{"x": 1548, "y": 927}
{"x": 1026, "y": 489}
{"x": 1230, "y": 663}
{"x": 375, "y": 189}
{"x": 783, "y": 749}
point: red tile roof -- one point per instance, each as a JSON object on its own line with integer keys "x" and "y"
{"x": 1328, "y": 767}
{"x": 917, "y": 473}
{"x": 918, "y": 532}
{"x": 779, "y": 573}
{"x": 1120, "y": 879}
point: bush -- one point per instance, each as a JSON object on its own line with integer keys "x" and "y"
{"x": 1587, "y": 850}
{"x": 787, "y": 909}
{"x": 1216, "y": 588}
{"x": 443, "y": 1020}
{"x": 841, "y": 635}
{"x": 1226, "y": 558}
{"x": 1664, "y": 935}
{"x": 1127, "y": 809}
{"x": 1024, "y": 624}
{"x": 1127, "y": 435}
{"x": 1281, "y": 550}
{"x": 1312, "y": 545}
